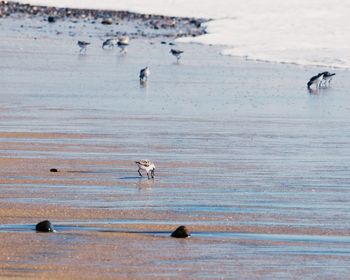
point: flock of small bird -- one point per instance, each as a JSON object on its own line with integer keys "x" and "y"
{"x": 321, "y": 80}
{"x": 123, "y": 43}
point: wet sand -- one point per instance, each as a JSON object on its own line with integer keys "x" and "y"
{"x": 251, "y": 162}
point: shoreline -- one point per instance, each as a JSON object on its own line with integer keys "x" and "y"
{"x": 149, "y": 26}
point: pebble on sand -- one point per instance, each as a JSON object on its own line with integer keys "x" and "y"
{"x": 51, "y": 19}
{"x": 174, "y": 26}
{"x": 44, "y": 226}
{"x": 181, "y": 232}
{"x": 107, "y": 21}
{"x": 53, "y": 170}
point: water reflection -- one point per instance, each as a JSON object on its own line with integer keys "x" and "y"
{"x": 313, "y": 91}
{"x": 145, "y": 184}
{"x": 143, "y": 84}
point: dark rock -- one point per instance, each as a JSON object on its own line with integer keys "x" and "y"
{"x": 53, "y": 170}
{"x": 163, "y": 42}
{"x": 181, "y": 232}
{"x": 107, "y": 21}
{"x": 44, "y": 226}
{"x": 51, "y": 19}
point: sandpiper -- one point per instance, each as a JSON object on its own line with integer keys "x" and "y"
{"x": 83, "y": 45}
{"x": 315, "y": 80}
{"x": 122, "y": 43}
{"x": 176, "y": 53}
{"x": 109, "y": 43}
{"x": 144, "y": 73}
{"x": 327, "y": 78}
{"x": 146, "y": 165}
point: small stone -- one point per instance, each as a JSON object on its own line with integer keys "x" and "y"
{"x": 107, "y": 21}
{"x": 53, "y": 170}
{"x": 181, "y": 232}
{"x": 44, "y": 226}
{"x": 51, "y": 19}
{"x": 163, "y": 42}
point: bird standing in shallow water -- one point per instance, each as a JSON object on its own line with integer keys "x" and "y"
{"x": 109, "y": 43}
{"x": 83, "y": 45}
{"x": 122, "y": 43}
{"x": 327, "y": 78}
{"x": 146, "y": 165}
{"x": 315, "y": 80}
{"x": 176, "y": 53}
{"x": 144, "y": 73}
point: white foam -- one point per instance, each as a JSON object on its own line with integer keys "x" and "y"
{"x": 309, "y": 32}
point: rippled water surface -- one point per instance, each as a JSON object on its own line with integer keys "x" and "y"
{"x": 245, "y": 155}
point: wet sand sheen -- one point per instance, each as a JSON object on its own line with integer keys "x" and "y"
{"x": 246, "y": 158}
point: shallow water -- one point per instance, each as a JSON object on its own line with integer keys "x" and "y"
{"x": 312, "y": 32}
{"x": 245, "y": 155}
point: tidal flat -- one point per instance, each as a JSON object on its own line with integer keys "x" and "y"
{"x": 251, "y": 162}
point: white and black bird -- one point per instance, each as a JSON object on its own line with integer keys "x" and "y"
{"x": 315, "y": 80}
{"x": 110, "y": 43}
{"x": 123, "y": 43}
{"x": 83, "y": 45}
{"x": 146, "y": 165}
{"x": 144, "y": 74}
{"x": 327, "y": 78}
{"x": 176, "y": 53}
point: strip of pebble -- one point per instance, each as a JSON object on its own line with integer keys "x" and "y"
{"x": 182, "y": 26}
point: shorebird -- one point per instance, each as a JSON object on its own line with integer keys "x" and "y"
{"x": 176, "y": 53}
{"x": 144, "y": 73}
{"x": 146, "y": 165}
{"x": 122, "y": 43}
{"x": 315, "y": 80}
{"x": 109, "y": 43}
{"x": 83, "y": 45}
{"x": 327, "y": 78}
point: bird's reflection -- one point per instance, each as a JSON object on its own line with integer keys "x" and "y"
{"x": 313, "y": 91}
{"x": 145, "y": 184}
{"x": 143, "y": 84}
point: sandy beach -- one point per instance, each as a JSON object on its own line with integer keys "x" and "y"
{"x": 251, "y": 162}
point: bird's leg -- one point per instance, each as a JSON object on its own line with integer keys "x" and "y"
{"x": 152, "y": 173}
{"x": 148, "y": 175}
{"x": 139, "y": 172}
